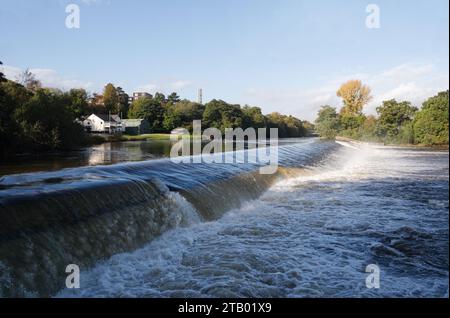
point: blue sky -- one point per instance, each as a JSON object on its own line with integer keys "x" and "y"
{"x": 286, "y": 55}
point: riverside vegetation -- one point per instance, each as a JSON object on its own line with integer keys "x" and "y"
{"x": 398, "y": 122}
{"x": 34, "y": 118}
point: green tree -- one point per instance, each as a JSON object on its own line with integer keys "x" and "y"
{"x": 392, "y": 116}
{"x": 110, "y": 98}
{"x": 149, "y": 109}
{"x": 431, "y": 122}
{"x": 12, "y": 95}
{"x": 47, "y": 121}
{"x": 369, "y": 129}
{"x": 173, "y": 98}
{"x": 309, "y": 127}
{"x": 78, "y": 99}
{"x": 327, "y": 122}
{"x": 181, "y": 114}
{"x": 253, "y": 117}
{"x": 122, "y": 102}
{"x": 2, "y": 76}
{"x": 221, "y": 115}
{"x": 160, "y": 98}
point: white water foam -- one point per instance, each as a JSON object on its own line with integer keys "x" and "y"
{"x": 309, "y": 236}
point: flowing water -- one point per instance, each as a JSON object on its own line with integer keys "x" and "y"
{"x": 160, "y": 229}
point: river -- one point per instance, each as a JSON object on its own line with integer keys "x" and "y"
{"x": 159, "y": 229}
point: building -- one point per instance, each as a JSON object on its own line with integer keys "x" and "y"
{"x": 101, "y": 123}
{"x": 179, "y": 131}
{"x": 200, "y": 96}
{"x": 136, "y": 126}
{"x": 138, "y": 95}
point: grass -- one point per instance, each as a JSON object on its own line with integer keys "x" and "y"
{"x": 145, "y": 137}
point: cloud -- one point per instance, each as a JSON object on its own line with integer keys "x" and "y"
{"x": 48, "y": 78}
{"x": 180, "y": 84}
{"x": 164, "y": 86}
{"x": 411, "y": 82}
{"x": 148, "y": 88}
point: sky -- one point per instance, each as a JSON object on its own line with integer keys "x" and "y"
{"x": 289, "y": 56}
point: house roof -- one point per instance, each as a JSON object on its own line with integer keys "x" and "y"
{"x": 106, "y": 117}
{"x": 132, "y": 122}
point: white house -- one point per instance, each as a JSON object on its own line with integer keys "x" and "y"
{"x": 101, "y": 123}
{"x": 178, "y": 131}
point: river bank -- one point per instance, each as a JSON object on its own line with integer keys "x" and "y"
{"x": 417, "y": 146}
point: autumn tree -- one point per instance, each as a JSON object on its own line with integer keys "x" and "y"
{"x": 355, "y": 96}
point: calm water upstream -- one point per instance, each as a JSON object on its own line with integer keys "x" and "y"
{"x": 160, "y": 229}
{"x": 104, "y": 154}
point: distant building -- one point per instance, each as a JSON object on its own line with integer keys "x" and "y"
{"x": 103, "y": 123}
{"x": 96, "y": 100}
{"x": 178, "y": 131}
{"x": 136, "y": 126}
{"x": 200, "y": 96}
{"x": 138, "y": 95}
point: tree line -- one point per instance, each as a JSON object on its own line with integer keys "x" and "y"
{"x": 34, "y": 118}
{"x": 397, "y": 122}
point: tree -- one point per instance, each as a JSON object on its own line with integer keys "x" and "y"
{"x": 2, "y": 76}
{"x": 355, "y": 96}
{"x": 369, "y": 128}
{"x": 78, "y": 101}
{"x": 309, "y": 127}
{"x": 160, "y": 98}
{"x": 110, "y": 99}
{"x": 327, "y": 122}
{"x": 392, "y": 116}
{"x": 431, "y": 122}
{"x": 122, "y": 102}
{"x": 221, "y": 115}
{"x": 253, "y": 117}
{"x": 28, "y": 79}
{"x": 173, "y": 98}
{"x": 12, "y": 95}
{"x": 181, "y": 114}
{"x": 149, "y": 109}
{"x": 47, "y": 121}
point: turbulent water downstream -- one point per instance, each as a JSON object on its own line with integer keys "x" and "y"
{"x": 160, "y": 229}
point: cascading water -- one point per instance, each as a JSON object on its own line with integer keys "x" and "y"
{"x": 83, "y": 215}
{"x": 308, "y": 230}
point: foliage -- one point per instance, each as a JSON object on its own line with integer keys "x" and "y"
{"x": 392, "y": 116}
{"x": 122, "y": 102}
{"x": 38, "y": 120}
{"x": 355, "y": 96}
{"x": 431, "y": 122}
{"x": 327, "y": 123}
{"x": 150, "y": 109}
{"x": 28, "y": 79}
{"x": 253, "y": 117}
{"x": 110, "y": 98}
{"x": 221, "y": 115}
{"x": 181, "y": 114}
{"x": 78, "y": 101}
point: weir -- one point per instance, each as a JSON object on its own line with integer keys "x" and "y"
{"x": 85, "y": 215}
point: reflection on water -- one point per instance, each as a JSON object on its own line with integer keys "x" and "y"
{"x": 104, "y": 154}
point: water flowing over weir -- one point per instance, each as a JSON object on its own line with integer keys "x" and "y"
{"x": 83, "y": 215}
